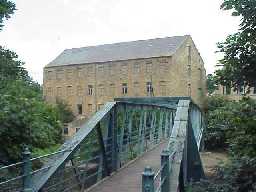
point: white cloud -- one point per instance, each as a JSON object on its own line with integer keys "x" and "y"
{"x": 40, "y": 30}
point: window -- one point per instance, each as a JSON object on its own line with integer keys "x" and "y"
{"x": 189, "y": 89}
{"x": 124, "y": 89}
{"x": 90, "y": 69}
{"x": 65, "y": 130}
{"x": 149, "y": 66}
{"x": 200, "y": 73}
{"x": 80, "y": 72}
{"x": 189, "y": 70}
{"x": 59, "y": 92}
{"x": 69, "y": 73}
{"x": 124, "y": 69}
{"x": 112, "y": 69}
{"x": 101, "y": 90}
{"x": 90, "y": 89}
{"x": 136, "y": 68}
{"x": 59, "y": 74}
{"x": 163, "y": 65}
{"x": 149, "y": 88}
{"x": 79, "y": 90}
{"x": 90, "y": 108}
{"x": 80, "y": 109}
{"x": 49, "y": 75}
{"x": 189, "y": 50}
{"x": 136, "y": 88}
{"x": 100, "y": 106}
{"x": 69, "y": 90}
{"x": 163, "y": 88}
{"x": 100, "y": 68}
{"x": 49, "y": 91}
{"x": 189, "y": 62}
{"x": 163, "y": 60}
{"x": 112, "y": 90}
{"x": 163, "y": 68}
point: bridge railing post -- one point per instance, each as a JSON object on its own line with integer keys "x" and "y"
{"x": 165, "y": 171}
{"x": 26, "y": 170}
{"x": 148, "y": 180}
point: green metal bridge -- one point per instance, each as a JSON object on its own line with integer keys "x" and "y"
{"x": 132, "y": 144}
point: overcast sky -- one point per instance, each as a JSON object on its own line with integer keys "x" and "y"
{"x": 41, "y": 29}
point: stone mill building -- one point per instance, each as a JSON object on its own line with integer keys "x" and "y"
{"x": 87, "y": 77}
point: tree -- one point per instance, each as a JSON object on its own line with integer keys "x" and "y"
{"x": 7, "y": 8}
{"x": 211, "y": 83}
{"x": 25, "y": 119}
{"x": 64, "y": 112}
{"x": 232, "y": 125}
{"x": 239, "y": 62}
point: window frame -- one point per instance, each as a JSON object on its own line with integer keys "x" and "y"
{"x": 149, "y": 67}
{"x": 69, "y": 91}
{"x": 149, "y": 88}
{"x": 79, "y": 109}
{"x": 124, "y": 88}
{"x": 90, "y": 90}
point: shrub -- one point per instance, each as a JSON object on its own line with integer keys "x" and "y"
{"x": 217, "y": 115}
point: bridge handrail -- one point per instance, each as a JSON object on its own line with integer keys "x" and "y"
{"x": 73, "y": 143}
{"x": 176, "y": 150}
{"x": 41, "y": 175}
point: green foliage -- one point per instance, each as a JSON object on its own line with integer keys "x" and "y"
{"x": 10, "y": 67}
{"x": 39, "y": 151}
{"x": 65, "y": 114}
{"x": 241, "y": 132}
{"x": 239, "y": 62}
{"x": 216, "y": 102}
{"x": 232, "y": 124}
{"x": 26, "y": 119}
{"x": 211, "y": 83}
{"x": 7, "y": 8}
{"x": 238, "y": 176}
{"x": 217, "y": 124}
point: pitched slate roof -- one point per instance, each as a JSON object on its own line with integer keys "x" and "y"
{"x": 120, "y": 51}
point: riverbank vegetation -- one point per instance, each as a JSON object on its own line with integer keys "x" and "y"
{"x": 25, "y": 119}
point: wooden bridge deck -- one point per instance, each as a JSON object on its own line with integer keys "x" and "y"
{"x": 128, "y": 179}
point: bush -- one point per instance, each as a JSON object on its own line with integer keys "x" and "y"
{"x": 26, "y": 120}
{"x": 65, "y": 114}
{"x": 217, "y": 115}
{"x": 241, "y": 133}
{"x": 238, "y": 176}
{"x": 231, "y": 124}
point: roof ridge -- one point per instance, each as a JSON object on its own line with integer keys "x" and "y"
{"x": 116, "y": 43}
{"x": 127, "y": 50}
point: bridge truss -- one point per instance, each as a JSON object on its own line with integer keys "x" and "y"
{"x": 121, "y": 131}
